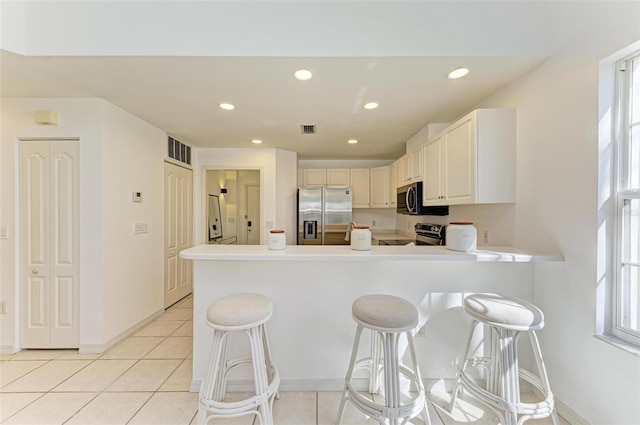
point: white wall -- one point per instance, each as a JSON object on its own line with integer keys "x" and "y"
{"x": 133, "y": 152}
{"x": 121, "y": 275}
{"x": 556, "y": 209}
{"x": 286, "y": 202}
{"x": 278, "y": 170}
{"x": 79, "y": 118}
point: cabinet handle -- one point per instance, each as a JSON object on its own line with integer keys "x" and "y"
{"x": 34, "y": 271}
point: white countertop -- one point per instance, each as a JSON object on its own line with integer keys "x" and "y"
{"x": 392, "y": 235}
{"x": 377, "y": 253}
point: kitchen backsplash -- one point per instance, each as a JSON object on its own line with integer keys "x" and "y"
{"x": 375, "y": 218}
{"x": 497, "y": 219}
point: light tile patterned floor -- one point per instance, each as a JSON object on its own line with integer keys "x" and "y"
{"x": 145, "y": 380}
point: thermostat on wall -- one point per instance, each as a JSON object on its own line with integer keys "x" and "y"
{"x": 137, "y": 196}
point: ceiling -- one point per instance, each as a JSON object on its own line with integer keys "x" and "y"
{"x": 180, "y": 95}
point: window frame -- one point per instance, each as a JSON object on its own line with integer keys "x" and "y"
{"x": 623, "y": 192}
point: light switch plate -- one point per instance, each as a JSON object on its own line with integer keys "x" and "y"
{"x": 140, "y": 228}
{"x": 137, "y": 196}
{"x": 4, "y": 232}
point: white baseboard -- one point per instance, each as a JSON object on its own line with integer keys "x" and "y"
{"x": 101, "y": 348}
{"x": 8, "y": 349}
{"x": 569, "y": 414}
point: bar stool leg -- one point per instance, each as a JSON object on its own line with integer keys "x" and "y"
{"x": 260, "y": 374}
{"x": 207, "y": 387}
{"x": 347, "y": 380}
{"x": 412, "y": 352}
{"x": 457, "y": 384}
{"x": 391, "y": 373}
{"x": 220, "y": 386}
{"x": 374, "y": 372}
{"x": 509, "y": 384}
{"x": 542, "y": 373}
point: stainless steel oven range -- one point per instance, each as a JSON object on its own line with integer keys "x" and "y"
{"x": 430, "y": 234}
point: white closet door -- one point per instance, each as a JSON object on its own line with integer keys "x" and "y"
{"x": 49, "y": 206}
{"x": 178, "y": 229}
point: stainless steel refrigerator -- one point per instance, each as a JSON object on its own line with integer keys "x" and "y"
{"x": 324, "y": 214}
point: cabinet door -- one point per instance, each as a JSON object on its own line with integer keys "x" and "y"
{"x": 460, "y": 163}
{"x": 379, "y": 187}
{"x": 403, "y": 170}
{"x": 432, "y": 173}
{"x": 314, "y": 177}
{"x": 338, "y": 176}
{"x": 393, "y": 184}
{"x": 415, "y": 165}
{"x": 360, "y": 187}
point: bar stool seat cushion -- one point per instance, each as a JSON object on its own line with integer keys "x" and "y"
{"x": 239, "y": 310}
{"x": 385, "y": 312}
{"x": 505, "y": 312}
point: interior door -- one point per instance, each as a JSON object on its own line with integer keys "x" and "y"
{"x": 177, "y": 235}
{"x": 253, "y": 214}
{"x": 49, "y": 211}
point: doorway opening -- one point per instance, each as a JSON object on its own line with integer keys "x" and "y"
{"x": 237, "y": 193}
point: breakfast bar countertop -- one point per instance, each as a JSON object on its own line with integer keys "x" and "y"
{"x": 377, "y": 253}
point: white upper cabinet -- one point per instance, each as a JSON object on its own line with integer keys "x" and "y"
{"x": 410, "y": 167}
{"x": 415, "y": 165}
{"x": 379, "y": 182}
{"x": 314, "y": 177}
{"x": 472, "y": 161}
{"x": 338, "y": 176}
{"x": 393, "y": 184}
{"x": 360, "y": 187}
{"x": 433, "y": 186}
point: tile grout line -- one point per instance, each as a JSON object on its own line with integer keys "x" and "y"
{"x": 101, "y": 357}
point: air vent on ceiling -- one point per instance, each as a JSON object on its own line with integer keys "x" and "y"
{"x": 179, "y": 151}
{"x": 308, "y": 129}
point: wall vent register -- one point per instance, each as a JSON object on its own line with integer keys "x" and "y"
{"x": 178, "y": 151}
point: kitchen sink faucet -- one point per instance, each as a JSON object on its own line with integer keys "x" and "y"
{"x": 350, "y": 227}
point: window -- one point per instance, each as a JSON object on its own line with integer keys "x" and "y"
{"x": 626, "y": 318}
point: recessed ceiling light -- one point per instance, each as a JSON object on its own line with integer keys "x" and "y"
{"x": 352, "y": 141}
{"x": 303, "y": 74}
{"x": 370, "y": 105}
{"x": 227, "y": 106}
{"x": 256, "y": 141}
{"x": 458, "y": 73}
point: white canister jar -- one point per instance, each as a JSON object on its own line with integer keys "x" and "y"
{"x": 361, "y": 238}
{"x": 277, "y": 240}
{"x": 462, "y": 236}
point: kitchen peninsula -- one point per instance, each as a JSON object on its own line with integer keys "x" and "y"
{"x": 312, "y": 288}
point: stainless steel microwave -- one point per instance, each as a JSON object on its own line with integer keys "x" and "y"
{"x": 409, "y": 201}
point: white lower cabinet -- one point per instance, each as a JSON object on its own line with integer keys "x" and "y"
{"x": 472, "y": 161}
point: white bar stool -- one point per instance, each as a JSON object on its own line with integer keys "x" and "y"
{"x": 505, "y": 318}
{"x": 247, "y": 313}
{"x": 388, "y": 317}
